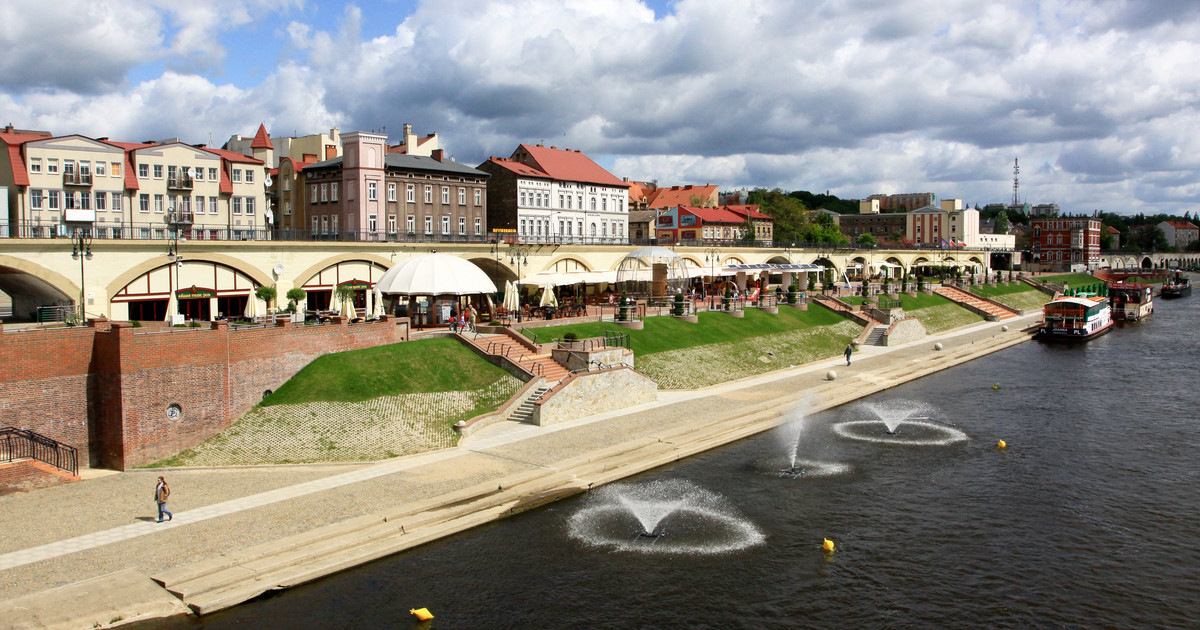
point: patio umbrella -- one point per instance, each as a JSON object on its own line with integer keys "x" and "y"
{"x": 171, "y": 307}
{"x": 251, "y": 307}
{"x": 377, "y": 310}
{"x": 511, "y": 298}
{"x": 548, "y": 298}
{"x": 370, "y": 297}
{"x": 436, "y": 274}
{"x": 348, "y": 310}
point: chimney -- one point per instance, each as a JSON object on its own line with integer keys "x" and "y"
{"x": 439, "y": 155}
{"x": 308, "y": 157}
{"x": 407, "y": 129}
{"x": 330, "y": 151}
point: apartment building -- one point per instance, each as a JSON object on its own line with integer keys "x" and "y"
{"x": 129, "y": 189}
{"x": 371, "y": 193}
{"x": 547, "y": 194}
{"x": 1179, "y": 233}
{"x": 1064, "y": 243}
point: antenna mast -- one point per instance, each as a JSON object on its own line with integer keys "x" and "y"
{"x": 1016, "y": 200}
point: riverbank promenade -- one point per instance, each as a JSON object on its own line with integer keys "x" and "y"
{"x": 83, "y": 555}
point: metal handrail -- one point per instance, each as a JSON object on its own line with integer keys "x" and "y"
{"x": 19, "y": 444}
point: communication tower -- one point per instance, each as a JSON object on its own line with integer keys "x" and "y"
{"x": 1016, "y": 200}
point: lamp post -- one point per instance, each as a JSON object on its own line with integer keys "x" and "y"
{"x": 711, "y": 256}
{"x": 175, "y": 220}
{"x": 518, "y": 255}
{"x": 81, "y": 250}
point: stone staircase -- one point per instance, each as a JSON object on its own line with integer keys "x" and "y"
{"x": 963, "y": 297}
{"x": 524, "y": 412}
{"x": 875, "y": 338}
{"x": 503, "y": 345}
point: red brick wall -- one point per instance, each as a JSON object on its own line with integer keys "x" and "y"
{"x": 106, "y": 391}
{"x": 44, "y": 378}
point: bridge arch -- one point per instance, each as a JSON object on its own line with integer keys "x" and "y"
{"x": 31, "y": 285}
{"x": 306, "y": 276}
{"x": 142, "y": 268}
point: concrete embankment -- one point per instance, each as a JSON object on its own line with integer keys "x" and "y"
{"x": 540, "y": 466}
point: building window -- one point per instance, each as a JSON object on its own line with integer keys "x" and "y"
{"x": 372, "y": 223}
{"x": 158, "y": 171}
{"x": 249, "y": 176}
{"x": 144, "y": 203}
{"x": 35, "y": 165}
{"x": 101, "y": 169}
{"x": 462, "y": 196}
{"x": 249, "y": 205}
{"x": 522, "y": 203}
{"x": 101, "y": 201}
{"x": 478, "y": 226}
{"x": 115, "y": 169}
{"x": 287, "y": 208}
{"x": 445, "y": 225}
{"x": 324, "y": 192}
{"x": 212, "y": 174}
{"x": 313, "y": 197}
{"x": 158, "y": 203}
{"x": 237, "y": 205}
{"x": 52, "y": 166}
{"x": 522, "y": 231}
{"x": 143, "y": 171}
{"x": 391, "y": 192}
{"x": 411, "y": 224}
{"x": 478, "y": 196}
{"x": 410, "y": 194}
{"x": 429, "y": 225}
{"x": 237, "y": 175}
{"x": 445, "y": 194}
{"x": 333, "y": 191}
{"x": 35, "y": 199}
{"x": 314, "y": 225}
{"x": 333, "y": 223}
{"x": 391, "y": 224}
{"x": 212, "y": 205}
{"x": 593, "y": 202}
{"x": 462, "y": 225}
{"x": 429, "y": 194}
{"x": 324, "y": 224}
{"x": 116, "y": 202}
{"x": 604, "y": 204}
{"x": 372, "y": 191}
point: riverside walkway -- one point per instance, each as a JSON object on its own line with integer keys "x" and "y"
{"x": 82, "y": 555}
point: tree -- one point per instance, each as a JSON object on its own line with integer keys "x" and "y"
{"x": 1002, "y": 223}
{"x": 866, "y": 238}
{"x": 266, "y": 294}
{"x": 295, "y": 295}
{"x": 787, "y": 212}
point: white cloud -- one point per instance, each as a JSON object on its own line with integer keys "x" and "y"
{"x": 854, "y": 96}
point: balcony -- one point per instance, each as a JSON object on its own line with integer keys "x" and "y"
{"x": 179, "y": 182}
{"x": 77, "y": 178}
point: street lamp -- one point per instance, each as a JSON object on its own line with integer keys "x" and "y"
{"x": 175, "y": 220}
{"x": 518, "y": 255}
{"x": 81, "y": 250}
{"x": 712, "y": 255}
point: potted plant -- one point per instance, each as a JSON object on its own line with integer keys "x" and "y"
{"x": 266, "y": 294}
{"x": 623, "y": 312}
{"x": 295, "y": 296}
{"x": 728, "y": 298}
{"x": 677, "y": 310}
{"x": 792, "y": 291}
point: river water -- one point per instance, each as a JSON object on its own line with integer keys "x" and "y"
{"x": 1089, "y": 518}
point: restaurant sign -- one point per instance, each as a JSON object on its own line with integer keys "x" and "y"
{"x": 355, "y": 284}
{"x": 195, "y": 293}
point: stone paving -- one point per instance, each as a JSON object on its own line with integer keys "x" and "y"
{"x": 65, "y": 534}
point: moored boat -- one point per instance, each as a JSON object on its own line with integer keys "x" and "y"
{"x": 1177, "y": 286}
{"x": 1131, "y": 301}
{"x": 1075, "y": 318}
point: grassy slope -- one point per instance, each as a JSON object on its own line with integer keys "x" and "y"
{"x": 662, "y": 334}
{"x": 1016, "y": 294}
{"x": 937, "y": 313}
{"x": 429, "y": 365}
{"x": 1072, "y": 279}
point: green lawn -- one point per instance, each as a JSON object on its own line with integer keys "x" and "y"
{"x": 937, "y": 313}
{"x": 1018, "y": 295}
{"x": 429, "y": 365}
{"x": 1072, "y": 279}
{"x": 661, "y": 334}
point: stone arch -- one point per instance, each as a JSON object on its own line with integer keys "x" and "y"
{"x": 308, "y": 274}
{"x": 778, "y": 259}
{"x": 135, "y": 272}
{"x": 568, "y": 263}
{"x": 1147, "y": 263}
{"x": 31, "y": 285}
{"x": 498, "y": 270}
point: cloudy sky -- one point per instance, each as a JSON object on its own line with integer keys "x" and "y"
{"x": 1098, "y": 98}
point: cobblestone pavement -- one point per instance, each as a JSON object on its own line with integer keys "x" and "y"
{"x": 68, "y": 533}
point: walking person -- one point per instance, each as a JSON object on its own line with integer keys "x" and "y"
{"x": 848, "y": 352}
{"x": 161, "y": 493}
{"x": 472, "y": 316}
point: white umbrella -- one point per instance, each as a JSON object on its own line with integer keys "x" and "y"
{"x": 436, "y": 274}
{"x": 171, "y": 308}
{"x": 251, "y": 307}
{"x": 377, "y": 304}
{"x": 348, "y": 310}
{"x": 370, "y": 312}
{"x": 548, "y": 298}
{"x": 511, "y": 298}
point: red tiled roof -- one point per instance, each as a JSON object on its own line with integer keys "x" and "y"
{"x": 131, "y": 180}
{"x": 1181, "y": 225}
{"x": 261, "y": 139}
{"x": 232, "y": 156}
{"x": 636, "y": 192}
{"x": 14, "y": 142}
{"x": 751, "y": 210}
{"x": 524, "y": 170}
{"x": 680, "y": 195}
{"x": 1111, "y": 230}
{"x": 714, "y": 215}
{"x": 571, "y": 166}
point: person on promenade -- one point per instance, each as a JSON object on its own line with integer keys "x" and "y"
{"x": 161, "y": 493}
{"x": 453, "y": 324}
{"x": 848, "y": 352}
{"x": 472, "y": 316}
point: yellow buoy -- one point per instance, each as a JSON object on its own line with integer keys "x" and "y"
{"x": 1001, "y": 444}
{"x": 827, "y": 545}
{"x": 996, "y": 386}
{"x": 421, "y": 614}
